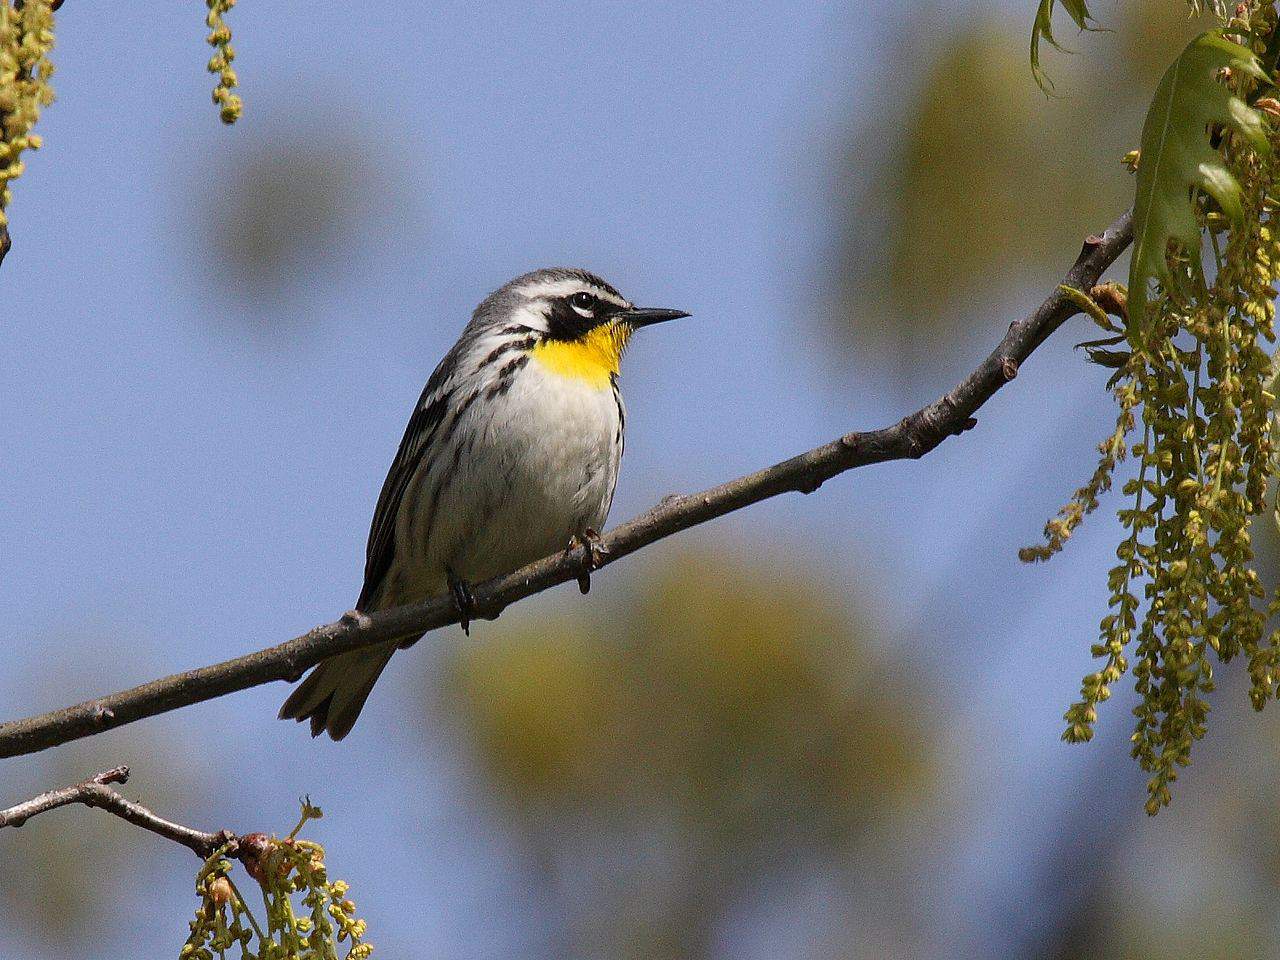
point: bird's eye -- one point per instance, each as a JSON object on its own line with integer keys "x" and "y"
{"x": 583, "y": 302}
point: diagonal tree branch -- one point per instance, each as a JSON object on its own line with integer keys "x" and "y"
{"x": 95, "y": 792}
{"x": 910, "y": 438}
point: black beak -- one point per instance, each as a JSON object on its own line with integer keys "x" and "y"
{"x": 647, "y": 316}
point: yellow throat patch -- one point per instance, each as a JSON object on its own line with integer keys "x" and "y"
{"x": 593, "y": 358}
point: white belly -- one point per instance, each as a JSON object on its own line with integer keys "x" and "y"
{"x": 527, "y": 470}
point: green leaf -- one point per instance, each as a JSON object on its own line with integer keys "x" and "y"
{"x": 1177, "y": 157}
{"x": 1042, "y": 28}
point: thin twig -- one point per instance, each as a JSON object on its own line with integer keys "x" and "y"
{"x": 909, "y": 438}
{"x": 19, "y": 814}
{"x": 95, "y": 792}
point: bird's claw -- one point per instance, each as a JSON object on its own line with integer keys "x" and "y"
{"x": 464, "y": 601}
{"x": 595, "y": 553}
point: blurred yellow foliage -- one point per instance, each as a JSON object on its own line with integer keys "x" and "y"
{"x": 538, "y": 703}
{"x": 725, "y": 724}
{"x": 738, "y": 695}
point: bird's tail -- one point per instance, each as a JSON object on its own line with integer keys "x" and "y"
{"x": 333, "y": 694}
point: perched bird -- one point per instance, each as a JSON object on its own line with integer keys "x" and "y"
{"x": 511, "y": 454}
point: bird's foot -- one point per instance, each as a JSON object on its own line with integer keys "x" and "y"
{"x": 595, "y": 553}
{"x": 465, "y": 602}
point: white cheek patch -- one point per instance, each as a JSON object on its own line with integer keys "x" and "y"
{"x": 531, "y": 315}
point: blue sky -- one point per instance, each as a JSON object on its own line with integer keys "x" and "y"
{"x": 175, "y": 494}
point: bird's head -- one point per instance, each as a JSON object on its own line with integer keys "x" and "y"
{"x": 580, "y": 325}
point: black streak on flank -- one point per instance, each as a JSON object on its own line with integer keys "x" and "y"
{"x": 447, "y": 478}
{"x": 620, "y": 436}
{"x": 422, "y": 428}
{"x": 506, "y": 376}
{"x": 510, "y": 346}
{"x": 456, "y": 419}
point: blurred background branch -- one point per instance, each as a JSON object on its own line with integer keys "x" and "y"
{"x": 910, "y": 438}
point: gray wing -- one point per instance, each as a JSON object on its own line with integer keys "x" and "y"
{"x": 418, "y": 437}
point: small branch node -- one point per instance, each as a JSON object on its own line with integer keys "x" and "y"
{"x": 809, "y": 485}
{"x": 118, "y": 774}
{"x": 356, "y": 618}
{"x": 1008, "y": 368}
{"x": 1112, "y": 298}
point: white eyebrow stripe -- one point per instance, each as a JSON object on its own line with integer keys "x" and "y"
{"x": 551, "y": 289}
{"x": 612, "y": 298}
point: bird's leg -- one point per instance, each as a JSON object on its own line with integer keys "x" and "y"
{"x": 595, "y": 553}
{"x": 465, "y": 602}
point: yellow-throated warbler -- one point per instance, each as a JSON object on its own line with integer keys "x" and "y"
{"x": 512, "y": 452}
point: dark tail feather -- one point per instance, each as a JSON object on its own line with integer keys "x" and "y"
{"x": 334, "y": 693}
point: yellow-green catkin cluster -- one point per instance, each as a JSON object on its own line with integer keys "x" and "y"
{"x": 307, "y": 915}
{"x": 229, "y": 103}
{"x": 26, "y": 38}
{"x": 1194, "y": 390}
